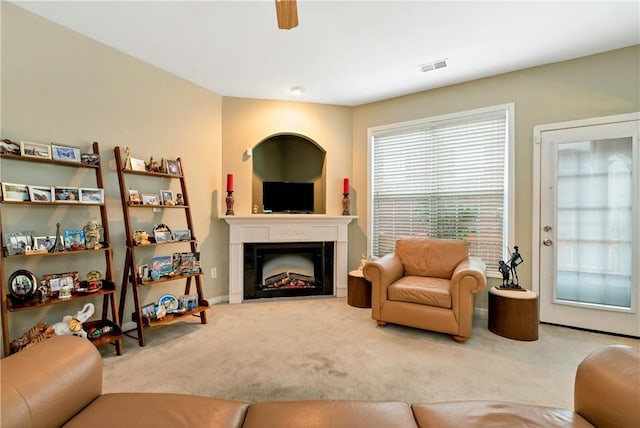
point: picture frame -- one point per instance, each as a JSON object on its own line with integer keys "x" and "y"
{"x": 22, "y": 284}
{"x": 137, "y": 164}
{"x": 45, "y": 242}
{"x": 91, "y": 195}
{"x": 15, "y": 192}
{"x": 74, "y": 239}
{"x": 166, "y": 197}
{"x": 173, "y": 167}
{"x": 55, "y": 281}
{"x": 161, "y": 266}
{"x": 35, "y": 150}
{"x": 18, "y": 243}
{"x": 182, "y": 235}
{"x": 41, "y": 194}
{"x": 162, "y": 236}
{"x": 134, "y": 197}
{"x": 65, "y": 153}
{"x": 66, "y": 194}
{"x": 150, "y": 199}
{"x": 149, "y": 311}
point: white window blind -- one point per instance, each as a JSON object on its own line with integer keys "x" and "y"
{"x": 442, "y": 179}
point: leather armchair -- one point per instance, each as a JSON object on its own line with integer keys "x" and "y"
{"x": 427, "y": 283}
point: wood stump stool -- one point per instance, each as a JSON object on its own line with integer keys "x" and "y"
{"x": 358, "y": 290}
{"x": 513, "y": 314}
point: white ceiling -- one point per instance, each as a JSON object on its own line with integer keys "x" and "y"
{"x": 346, "y": 52}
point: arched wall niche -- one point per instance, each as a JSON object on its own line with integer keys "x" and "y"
{"x": 289, "y": 157}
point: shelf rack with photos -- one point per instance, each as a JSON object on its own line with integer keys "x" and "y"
{"x": 141, "y": 250}
{"x": 72, "y": 259}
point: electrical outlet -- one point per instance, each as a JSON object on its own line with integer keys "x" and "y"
{"x": 214, "y": 273}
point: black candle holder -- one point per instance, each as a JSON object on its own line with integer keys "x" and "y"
{"x": 229, "y": 200}
{"x": 345, "y": 204}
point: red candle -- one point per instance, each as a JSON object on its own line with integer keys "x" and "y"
{"x": 229, "y": 182}
{"x": 345, "y": 186}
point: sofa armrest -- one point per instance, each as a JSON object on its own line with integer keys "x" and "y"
{"x": 382, "y": 273}
{"x": 607, "y": 387}
{"x": 470, "y": 274}
{"x": 48, "y": 383}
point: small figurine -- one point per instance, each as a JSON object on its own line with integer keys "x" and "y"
{"x": 72, "y": 325}
{"x": 141, "y": 237}
{"x": 509, "y": 270}
{"x": 57, "y": 246}
{"x": 44, "y": 293}
{"x": 92, "y": 234}
{"x": 127, "y": 160}
{"x": 179, "y": 200}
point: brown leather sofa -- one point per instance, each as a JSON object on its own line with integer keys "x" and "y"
{"x": 427, "y": 283}
{"x": 58, "y": 382}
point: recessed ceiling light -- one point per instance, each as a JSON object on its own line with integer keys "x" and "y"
{"x": 433, "y": 65}
{"x": 296, "y": 90}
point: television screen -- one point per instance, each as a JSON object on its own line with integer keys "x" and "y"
{"x": 287, "y": 197}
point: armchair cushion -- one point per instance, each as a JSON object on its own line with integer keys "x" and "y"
{"x": 422, "y": 290}
{"x": 431, "y": 257}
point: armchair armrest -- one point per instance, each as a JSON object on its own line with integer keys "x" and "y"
{"x": 382, "y": 273}
{"x": 470, "y": 274}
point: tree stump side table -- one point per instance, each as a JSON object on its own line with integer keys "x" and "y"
{"x": 513, "y": 314}
{"x": 358, "y": 290}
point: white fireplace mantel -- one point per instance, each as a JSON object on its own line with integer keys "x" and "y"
{"x": 261, "y": 228}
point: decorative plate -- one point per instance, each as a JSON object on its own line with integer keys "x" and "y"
{"x": 22, "y": 284}
{"x": 169, "y": 301}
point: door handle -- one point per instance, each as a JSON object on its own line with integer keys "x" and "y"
{"x": 547, "y": 228}
{"x": 547, "y": 242}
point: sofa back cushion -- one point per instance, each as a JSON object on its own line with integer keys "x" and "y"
{"x": 431, "y": 256}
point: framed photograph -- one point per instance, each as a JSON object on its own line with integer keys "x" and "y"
{"x": 161, "y": 266}
{"x": 35, "y": 150}
{"x": 182, "y": 235}
{"x": 137, "y": 164}
{"x": 90, "y": 195}
{"x": 41, "y": 193}
{"x": 65, "y": 153}
{"x": 55, "y": 281}
{"x": 150, "y": 199}
{"x": 18, "y": 243}
{"x": 149, "y": 311}
{"x": 162, "y": 236}
{"x": 166, "y": 197}
{"x": 74, "y": 239}
{"x": 45, "y": 242}
{"x": 66, "y": 194}
{"x": 22, "y": 284}
{"x": 134, "y": 197}
{"x": 173, "y": 167}
{"x": 15, "y": 192}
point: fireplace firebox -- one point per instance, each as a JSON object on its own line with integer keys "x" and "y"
{"x": 288, "y": 269}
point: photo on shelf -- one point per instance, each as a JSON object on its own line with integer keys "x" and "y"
{"x": 15, "y": 192}
{"x": 65, "y": 153}
{"x": 41, "y": 193}
{"x": 74, "y": 239}
{"x": 149, "y": 311}
{"x": 35, "y": 150}
{"x": 173, "y": 167}
{"x": 55, "y": 281}
{"x": 134, "y": 197}
{"x": 18, "y": 243}
{"x": 162, "y": 236}
{"x": 162, "y": 265}
{"x": 166, "y": 197}
{"x": 150, "y": 199}
{"x": 89, "y": 195}
{"x": 182, "y": 235}
{"x": 66, "y": 194}
{"x": 137, "y": 164}
{"x": 45, "y": 242}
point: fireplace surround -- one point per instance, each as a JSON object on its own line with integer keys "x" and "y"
{"x": 282, "y": 229}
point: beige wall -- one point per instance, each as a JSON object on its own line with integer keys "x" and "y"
{"x": 60, "y": 86}
{"x": 63, "y": 87}
{"x": 599, "y": 85}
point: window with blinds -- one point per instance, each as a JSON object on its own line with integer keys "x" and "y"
{"x": 444, "y": 177}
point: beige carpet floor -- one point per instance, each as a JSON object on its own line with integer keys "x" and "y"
{"x": 323, "y": 348}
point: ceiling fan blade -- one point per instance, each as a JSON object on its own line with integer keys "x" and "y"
{"x": 287, "y": 13}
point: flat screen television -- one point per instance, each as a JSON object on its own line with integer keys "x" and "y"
{"x": 287, "y": 197}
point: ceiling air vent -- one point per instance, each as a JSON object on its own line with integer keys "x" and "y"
{"x": 433, "y": 65}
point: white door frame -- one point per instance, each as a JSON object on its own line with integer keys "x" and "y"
{"x": 536, "y": 202}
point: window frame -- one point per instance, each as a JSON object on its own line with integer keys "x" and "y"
{"x": 508, "y": 227}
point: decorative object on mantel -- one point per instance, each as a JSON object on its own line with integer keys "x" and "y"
{"x": 229, "y": 199}
{"x": 345, "y": 197}
{"x": 509, "y": 270}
